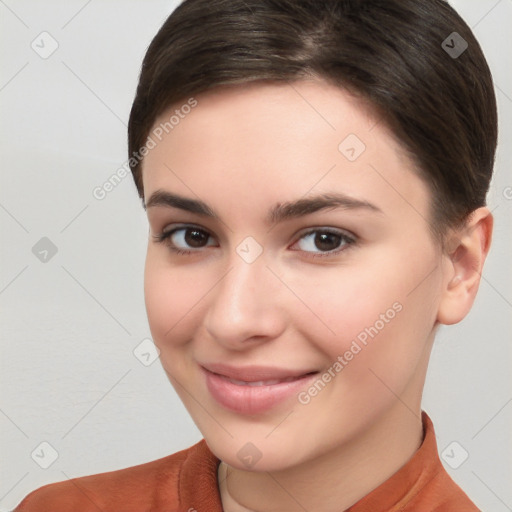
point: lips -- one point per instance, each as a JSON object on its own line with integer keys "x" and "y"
{"x": 254, "y": 374}
{"x": 254, "y": 389}
{"x": 260, "y": 382}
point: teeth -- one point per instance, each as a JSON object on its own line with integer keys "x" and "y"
{"x": 261, "y": 382}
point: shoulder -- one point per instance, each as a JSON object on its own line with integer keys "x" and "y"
{"x": 448, "y": 495}
{"x": 421, "y": 485}
{"x": 138, "y": 488}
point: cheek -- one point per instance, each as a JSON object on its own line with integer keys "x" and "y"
{"x": 380, "y": 315}
{"x": 170, "y": 295}
{"x": 387, "y": 360}
{"x": 342, "y": 303}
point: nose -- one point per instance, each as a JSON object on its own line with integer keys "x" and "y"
{"x": 246, "y": 306}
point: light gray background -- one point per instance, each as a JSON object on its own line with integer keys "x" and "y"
{"x": 69, "y": 325}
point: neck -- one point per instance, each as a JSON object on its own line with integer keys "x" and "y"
{"x": 333, "y": 481}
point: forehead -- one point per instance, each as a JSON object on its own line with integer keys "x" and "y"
{"x": 262, "y": 143}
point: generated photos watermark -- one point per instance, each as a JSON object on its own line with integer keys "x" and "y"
{"x": 358, "y": 344}
{"x": 157, "y": 133}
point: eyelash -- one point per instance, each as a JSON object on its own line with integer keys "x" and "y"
{"x": 349, "y": 240}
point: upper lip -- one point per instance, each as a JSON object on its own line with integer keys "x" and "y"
{"x": 254, "y": 373}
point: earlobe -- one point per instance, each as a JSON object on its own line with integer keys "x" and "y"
{"x": 464, "y": 265}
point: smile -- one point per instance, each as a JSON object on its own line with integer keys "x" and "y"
{"x": 254, "y": 390}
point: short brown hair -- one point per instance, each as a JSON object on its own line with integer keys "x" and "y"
{"x": 393, "y": 53}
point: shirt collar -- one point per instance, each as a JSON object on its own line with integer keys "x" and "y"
{"x": 198, "y": 485}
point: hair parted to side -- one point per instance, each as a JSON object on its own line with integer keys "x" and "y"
{"x": 388, "y": 52}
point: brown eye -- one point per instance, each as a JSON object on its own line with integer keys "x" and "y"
{"x": 322, "y": 242}
{"x": 187, "y": 239}
{"x": 327, "y": 241}
{"x": 195, "y": 237}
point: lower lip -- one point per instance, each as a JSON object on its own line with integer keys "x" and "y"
{"x": 245, "y": 399}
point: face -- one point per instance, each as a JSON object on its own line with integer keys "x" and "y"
{"x": 293, "y": 289}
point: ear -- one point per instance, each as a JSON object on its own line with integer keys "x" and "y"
{"x": 463, "y": 262}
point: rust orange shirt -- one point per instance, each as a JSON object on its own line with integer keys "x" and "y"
{"x": 187, "y": 482}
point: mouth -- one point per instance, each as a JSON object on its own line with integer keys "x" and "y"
{"x": 254, "y": 389}
{"x": 271, "y": 382}
{"x": 255, "y": 374}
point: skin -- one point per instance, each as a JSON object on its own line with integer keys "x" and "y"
{"x": 242, "y": 150}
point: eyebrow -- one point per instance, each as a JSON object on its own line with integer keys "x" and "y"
{"x": 277, "y": 213}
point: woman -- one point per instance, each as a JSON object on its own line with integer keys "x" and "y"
{"x": 314, "y": 175}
